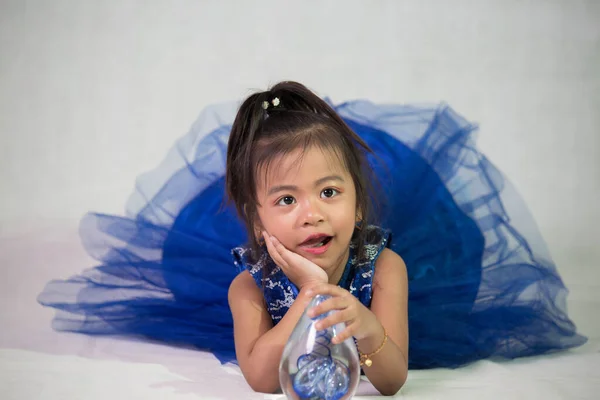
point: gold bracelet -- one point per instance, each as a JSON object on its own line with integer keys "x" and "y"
{"x": 365, "y": 359}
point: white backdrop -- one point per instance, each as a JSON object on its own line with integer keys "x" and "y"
{"x": 92, "y": 93}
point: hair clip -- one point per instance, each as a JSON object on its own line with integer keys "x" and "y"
{"x": 275, "y": 102}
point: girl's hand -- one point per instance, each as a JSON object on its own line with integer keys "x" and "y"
{"x": 301, "y": 271}
{"x": 360, "y": 322}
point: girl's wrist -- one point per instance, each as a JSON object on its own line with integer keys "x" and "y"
{"x": 306, "y": 287}
{"x": 373, "y": 341}
{"x": 304, "y": 292}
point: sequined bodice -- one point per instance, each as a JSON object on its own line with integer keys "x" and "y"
{"x": 280, "y": 292}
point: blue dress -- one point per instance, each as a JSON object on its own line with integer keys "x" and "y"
{"x": 481, "y": 281}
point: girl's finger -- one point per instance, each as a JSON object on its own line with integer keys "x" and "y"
{"x": 273, "y": 251}
{"x": 345, "y": 334}
{"x": 290, "y": 259}
{"x": 283, "y": 252}
{"x": 333, "y": 303}
{"x": 338, "y": 317}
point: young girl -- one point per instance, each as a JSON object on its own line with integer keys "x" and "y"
{"x": 295, "y": 172}
{"x": 476, "y": 282}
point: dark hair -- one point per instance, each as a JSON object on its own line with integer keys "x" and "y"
{"x": 276, "y": 122}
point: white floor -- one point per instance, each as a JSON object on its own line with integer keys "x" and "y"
{"x": 38, "y": 363}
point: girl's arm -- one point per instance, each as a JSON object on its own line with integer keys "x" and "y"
{"x": 390, "y": 305}
{"x": 389, "y": 309}
{"x": 259, "y": 345}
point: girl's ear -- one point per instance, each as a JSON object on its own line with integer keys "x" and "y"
{"x": 359, "y": 219}
{"x": 359, "y": 216}
{"x": 258, "y": 229}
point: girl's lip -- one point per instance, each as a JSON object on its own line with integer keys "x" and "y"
{"x": 317, "y": 250}
{"x": 313, "y": 237}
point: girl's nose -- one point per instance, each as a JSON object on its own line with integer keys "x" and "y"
{"x": 311, "y": 214}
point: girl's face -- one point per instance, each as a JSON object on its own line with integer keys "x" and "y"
{"x": 308, "y": 202}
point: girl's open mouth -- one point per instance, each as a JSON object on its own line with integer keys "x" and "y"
{"x": 316, "y": 245}
{"x": 317, "y": 242}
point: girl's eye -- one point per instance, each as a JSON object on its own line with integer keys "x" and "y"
{"x": 329, "y": 192}
{"x": 286, "y": 201}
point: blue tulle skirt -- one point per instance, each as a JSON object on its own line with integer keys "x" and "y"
{"x": 481, "y": 281}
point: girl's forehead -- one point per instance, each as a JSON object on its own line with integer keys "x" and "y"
{"x": 308, "y": 164}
